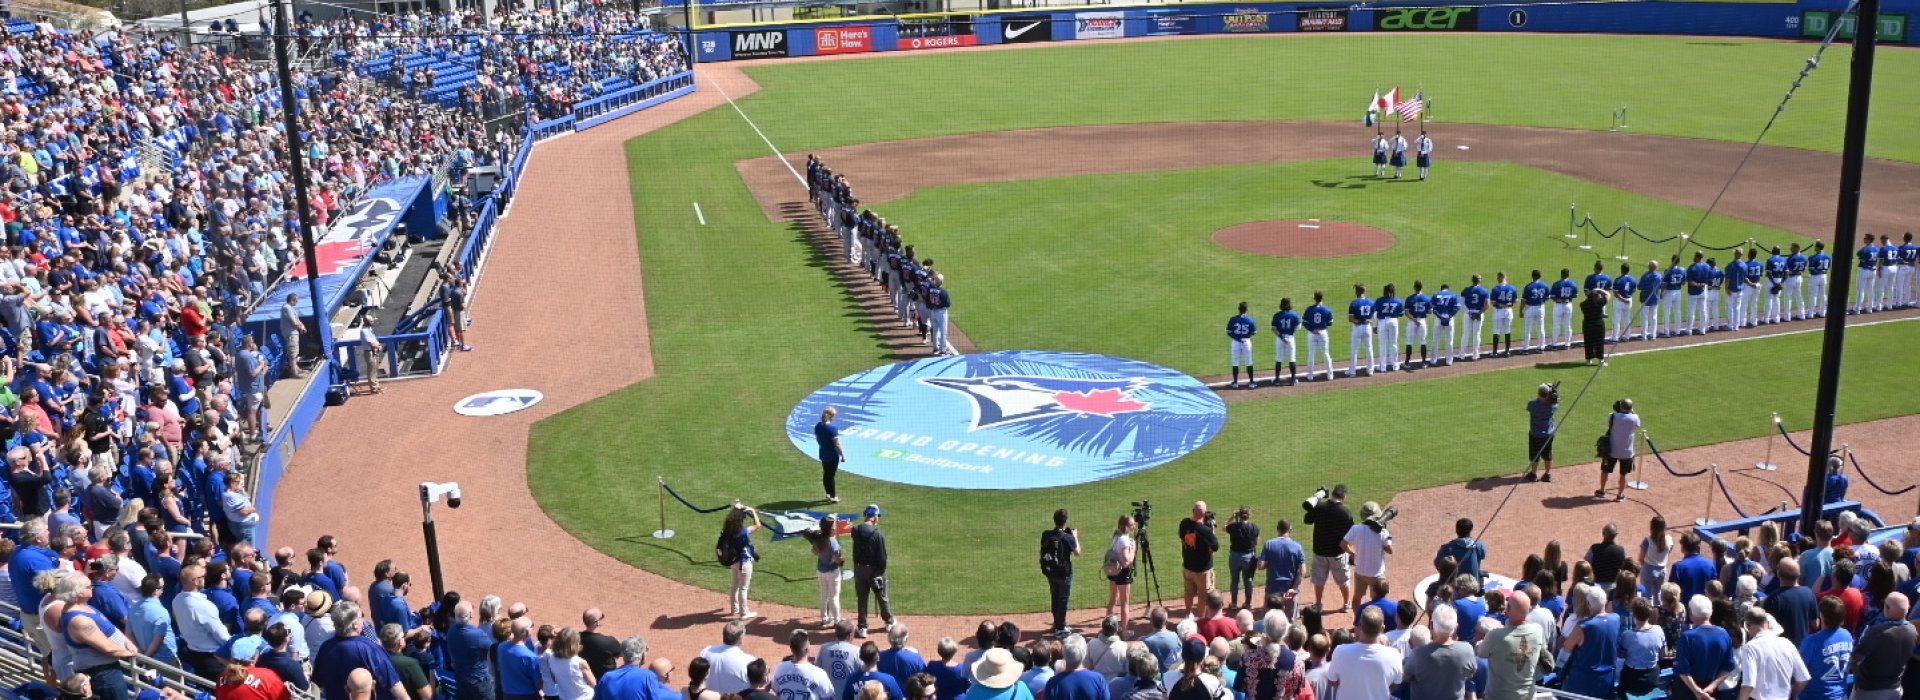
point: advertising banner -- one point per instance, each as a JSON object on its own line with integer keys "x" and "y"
{"x": 1169, "y": 22}
{"x": 1099, "y": 25}
{"x": 838, "y": 40}
{"x": 936, "y": 32}
{"x": 1816, "y": 23}
{"x": 1426, "y": 19}
{"x": 1026, "y": 29}
{"x": 768, "y": 43}
{"x": 1247, "y": 19}
{"x": 1323, "y": 19}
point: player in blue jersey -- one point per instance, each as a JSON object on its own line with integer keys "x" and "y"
{"x": 1653, "y": 288}
{"x": 1504, "y": 296}
{"x": 1564, "y": 293}
{"x": 1446, "y": 344}
{"x": 1699, "y": 279}
{"x": 1756, "y": 276}
{"x": 1474, "y": 300}
{"x": 1909, "y": 278}
{"x": 1533, "y": 314}
{"x": 1735, "y": 287}
{"x": 1796, "y": 294}
{"x": 1419, "y": 307}
{"x": 1387, "y": 311}
{"x": 1889, "y": 264}
{"x": 1622, "y": 291}
{"x": 1318, "y": 319}
{"x": 1718, "y": 279}
{"x": 1240, "y": 331}
{"x": 1360, "y": 314}
{"x": 1673, "y": 299}
{"x": 941, "y": 302}
{"x": 1776, "y": 272}
{"x": 1869, "y": 264}
{"x": 1819, "y": 266}
{"x": 1285, "y": 322}
{"x": 1599, "y": 279}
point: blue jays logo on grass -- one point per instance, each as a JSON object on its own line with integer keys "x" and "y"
{"x": 1012, "y": 420}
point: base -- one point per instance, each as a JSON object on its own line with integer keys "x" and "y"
{"x": 1586, "y": 247}
{"x": 663, "y": 534}
{"x": 1766, "y": 466}
{"x": 1621, "y": 257}
{"x": 1572, "y": 235}
{"x": 1638, "y": 485}
{"x": 1703, "y": 522}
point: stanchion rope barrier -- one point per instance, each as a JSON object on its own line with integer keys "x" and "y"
{"x": 683, "y": 501}
{"x": 1850, "y": 458}
{"x": 1663, "y": 459}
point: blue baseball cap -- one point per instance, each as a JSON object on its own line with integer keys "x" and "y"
{"x": 874, "y": 511}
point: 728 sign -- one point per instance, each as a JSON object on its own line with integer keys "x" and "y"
{"x": 1426, "y": 19}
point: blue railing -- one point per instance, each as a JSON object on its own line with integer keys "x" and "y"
{"x": 550, "y": 128}
{"x": 606, "y": 108}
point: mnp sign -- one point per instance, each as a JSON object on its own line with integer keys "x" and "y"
{"x": 1426, "y": 19}
{"x": 771, "y": 43}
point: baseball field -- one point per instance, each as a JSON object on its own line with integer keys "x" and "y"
{"x": 1071, "y": 193}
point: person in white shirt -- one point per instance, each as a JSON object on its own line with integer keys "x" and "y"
{"x": 797, "y": 678}
{"x": 1366, "y": 669}
{"x": 1107, "y": 653}
{"x": 1367, "y": 543}
{"x": 563, "y": 674}
{"x": 1770, "y": 666}
{"x": 840, "y": 658}
{"x": 729, "y": 661}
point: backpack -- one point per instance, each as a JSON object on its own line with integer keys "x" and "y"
{"x": 1115, "y": 557}
{"x": 725, "y": 552}
{"x": 1056, "y": 553}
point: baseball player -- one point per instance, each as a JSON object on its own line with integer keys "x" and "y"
{"x": 1776, "y": 272}
{"x": 924, "y": 305}
{"x": 1652, "y": 290}
{"x": 940, "y": 300}
{"x": 1699, "y": 278}
{"x": 1474, "y": 298}
{"x": 1387, "y": 312}
{"x": 1599, "y": 279}
{"x": 1889, "y": 264}
{"x": 1285, "y": 322}
{"x": 1716, "y": 279}
{"x": 1399, "y": 154}
{"x": 1419, "y": 306}
{"x": 1796, "y": 304}
{"x": 1318, "y": 319}
{"x": 1869, "y": 257}
{"x": 1819, "y": 265}
{"x": 1673, "y": 299}
{"x": 1504, "y": 296}
{"x": 1564, "y": 293}
{"x": 1423, "y": 153}
{"x": 1533, "y": 314}
{"x": 1736, "y": 289}
{"x": 1240, "y": 330}
{"x": 1623, "y": 288}
{"x": 1446, "y": 305}
{"x": 1360, "y": 314}
{"x": 1909, "y": 280}
{"x": 1379, "y": 161}
{"x": 1756, "y": 274}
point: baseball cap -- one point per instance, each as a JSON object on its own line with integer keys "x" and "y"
{"x": 874, "y": 511}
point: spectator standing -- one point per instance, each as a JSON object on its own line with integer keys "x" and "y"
{"x": 151, "y": 626}
{"x": 1623, "y": 426}
{"x": 1162, "y": 640}
{"x": 900, "y": 660}
{"x": 1694, "y": 570}
{"x": 1607, "y": 556}
{"x": 1197, "y": 546}
{"x": 351, "y": 650}
{"x": 1883, "y": 653}
{"x": 277, "y": 654}
{"x": 292, "y": 330}
{"x": 1703, "y": 658}
{"x": 1826, "y": 652}
{"x": 728, "y": 661}
{"x": 996, "y": 676}
{"x": 1770, "y": 666}
{"x": 1330, "y": 520}
{"x": 1074, "y": 681}
{"x": 757, "y": 682}
{"x": 797, "y": 678}
{"x": 1641, "y": 645}
{"x": 563, "y": 670}
{"x": 1540, "y": 429}
{"x": 1466, "y": 551}
{"x": 1593, "y": 648}
{"x": 1655, "y": 551}
{"x": 1142, "y": 681}
{"x": 1367, "y": 544}
{"x": 870, "y": 567}
{"x": 633, "y": 680}
{"x": 1058, "y": 547}
{"x": 949, "y": 677}
{"x": 1119, "y": 568}
{"x": 1243, "y": 545}
{"x": 736, "y": 538}
{"x": 1515, "y": 652}
{"x": 827, "y": 436}
{"x": 1793, "y": 607}
{"x": 840, "y": 658}
{"x": 1439, "y": 670}
{"x": 1283, "y": 559}
{"x": 1366, "y": 669}
{"x": 601, "y": 651}
{"x": 468, "y": 645}
{"x": 201, "y": 631}
{"x": 870, "y": 659}
{"x": 1217, "y": 624}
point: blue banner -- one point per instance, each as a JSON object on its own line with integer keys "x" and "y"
{"x": 1169, "y": 22}
{"x": 346, "y": 247}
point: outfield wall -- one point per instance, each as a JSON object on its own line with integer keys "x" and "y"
{"x": 910, "y": 32}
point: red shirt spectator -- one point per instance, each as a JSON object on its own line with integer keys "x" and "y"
{"x": 252, "y": 683}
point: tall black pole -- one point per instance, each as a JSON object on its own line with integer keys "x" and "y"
{"x": 321, "y": 331}
{"x": 1853, "y": 158}
{"x": 433, "y": 553}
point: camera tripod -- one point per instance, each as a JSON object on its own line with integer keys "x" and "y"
{"x": 1153, "y": 573}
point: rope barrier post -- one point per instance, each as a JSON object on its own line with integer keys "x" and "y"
{"x": 1768, "y": 465}
{"x": 1571, "y": 225}
{"x": 1636, "y": 484}
{"x": 660, "y": 489}
{"x": 1706, "y": 517}
{"x": 1586, "y": 232}
{"x": 1623, "y": 242}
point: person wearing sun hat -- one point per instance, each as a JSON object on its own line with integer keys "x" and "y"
{"x": 996, "y": 676}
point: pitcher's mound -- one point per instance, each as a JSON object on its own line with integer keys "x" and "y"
{"x": 1303, "y": 238}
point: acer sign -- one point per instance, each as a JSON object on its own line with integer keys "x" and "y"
{"x": 838, "y": 40}
{"x": 762, "y": 44}
{"x": 1426, "y": 19}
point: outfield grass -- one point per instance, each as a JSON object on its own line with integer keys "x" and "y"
{"x": 745, "y": 322}
{"x": 1147, "y": 252}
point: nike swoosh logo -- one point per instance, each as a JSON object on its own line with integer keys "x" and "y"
{"x": 1015, "y": 33}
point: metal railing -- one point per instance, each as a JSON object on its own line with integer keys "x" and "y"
{"x": 21, "y": 663}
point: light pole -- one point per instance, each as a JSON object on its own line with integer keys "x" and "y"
{"x": 297, "y": 163}
{"x": 429, "y": 493}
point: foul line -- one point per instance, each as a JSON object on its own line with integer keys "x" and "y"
{"x": 1782, "y": 334}
{"x": 699, "y": 214}
{"x": 763, "y": 135}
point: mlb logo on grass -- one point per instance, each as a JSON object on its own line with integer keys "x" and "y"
{"x": 1011, "y": 420}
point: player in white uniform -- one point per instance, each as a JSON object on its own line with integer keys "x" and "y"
{"x": 1387, "y": 311}
{"x": 1360, "y": 314}
{"x": 1533, "y": 314}
{"x": 1819, "y": 265}
{"x": 1318, "y": 319}
{"x": 1285, "y": 322}
{"x": 1240, "y": 331}
{"x": 1419, "y": 307}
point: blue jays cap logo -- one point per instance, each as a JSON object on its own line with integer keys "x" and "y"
{"x": 1011, "y": 420}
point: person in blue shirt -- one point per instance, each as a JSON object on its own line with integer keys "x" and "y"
{"x": 1652, "y": 290}
{"x": 1717, "y": 281}
{"x": 1819, "y": 265}
{"x": 1285, "y": 324}
{"x": 1826, "y": 653}
{"x": 1446, "y": 305}
{"x": 1736, "y": 290}
{"x": 1621, "y": 291}
{"x": 1869, "y": 257}
{"x": 517, "y": 664}
{"x": 870, "y": 655}
{"x": 1756, "y": 273}
{"x": 1693, "y": 572}
{"x": 1318, "y": 319}
{"x": 827, "y": 436}
{"x": 1776, "y": 280}
{"x": 1795, "y": 292}
{"x": 1534, "y": 314}
{"x": 467, "y": 647}
{"x": 1905, "y": 281}
{"x": 1564, "y": 293}
{"x": 1673, "y": 299}
{"x": 1540, "y": 429}
{"x": 1360, "y": 314}
{"x": 1699, "y": 280}
{"x": 1837, "y": 481}
{"x": 1703, "y": 657}
{"x": 1387, "y": 312}
{"x": 1889, "y": 264}
{"x": 1599, "y": 279}
{"x": 1503, "y": 296}
{"x": 1240, "y": 331}
{"x": 1474, "y": 299}
{"x": 1283, "y": 558}
{"x": 1419, "y": 307}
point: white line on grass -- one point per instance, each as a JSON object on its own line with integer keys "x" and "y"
{"x": 1781, "y": 334}
{"x": 763, "y": 135}
{"x": 696, "y": 212}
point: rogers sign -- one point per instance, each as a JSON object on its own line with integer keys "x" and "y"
{"x": 940, "y": 42}
{"x": 838, "y": 40}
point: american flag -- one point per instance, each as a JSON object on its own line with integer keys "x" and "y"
{"x": 1410, "y": 110}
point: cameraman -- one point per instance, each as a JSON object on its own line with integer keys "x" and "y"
{"x": 1243, "y": 545}
{"x": 1368, "y": 543}
{"x": 1197, "y": 545}
{"x": 1540, "y": 431}
{"x": 1327, "y": 513}
{"x": 1058, "y": 547}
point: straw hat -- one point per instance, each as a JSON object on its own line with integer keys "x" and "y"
{"x": 996, "y": 669}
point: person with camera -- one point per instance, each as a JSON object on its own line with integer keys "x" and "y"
{"x": 1367, "y": 545}
{"x": 1327, "y": 513}
{"x": 1540, "y": 431}
{"x": 1623, "y": 425}
{"x": 1243, "y": 544}
{"x": 1197, "y": 546}
{"x": 1058, "y": 547}
{"x": 736, "y": 551}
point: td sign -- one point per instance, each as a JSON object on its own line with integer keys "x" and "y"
{"x": 1426, "y": 19}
